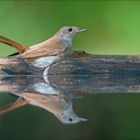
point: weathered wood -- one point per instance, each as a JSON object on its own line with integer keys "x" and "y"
{"x": 77, "y": 64}
{"x": 68, "y": 84}
{"x": 99, "y": 64}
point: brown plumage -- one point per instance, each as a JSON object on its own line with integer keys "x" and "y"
{"x": 19, "y": 47}
{"x": 54, "y": 46}
{"x": 19, "y": 103}
{"x": 51, "y": 47}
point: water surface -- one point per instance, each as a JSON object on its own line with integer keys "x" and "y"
{"x": 112, "y": 112}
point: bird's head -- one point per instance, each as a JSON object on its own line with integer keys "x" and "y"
{"x": 67, "y": 33}
{"x": 67, "y": 116}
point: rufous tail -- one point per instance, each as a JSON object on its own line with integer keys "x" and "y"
{"x": 19, "y": 103}
{"x": 19, "y": 47}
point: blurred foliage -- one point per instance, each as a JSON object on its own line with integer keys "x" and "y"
{"x": 113, "y": 26}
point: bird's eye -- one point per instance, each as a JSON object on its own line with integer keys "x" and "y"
{"x": 69, "y": 29}
{"x": 70, "y": 119}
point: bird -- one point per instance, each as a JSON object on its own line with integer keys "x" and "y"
{"x": 58, "y": 105}
{"x": 52, "y": 50}
{"x": 42, "y": 95}
{"x": 48, "y": 52}
{"x": 55, "y": 45}
{"x": 52, "y": 46}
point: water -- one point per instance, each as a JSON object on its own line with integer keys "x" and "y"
{"x": 111, "y": 107}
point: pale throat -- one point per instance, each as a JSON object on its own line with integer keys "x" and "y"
{"x": 67, "y": 40}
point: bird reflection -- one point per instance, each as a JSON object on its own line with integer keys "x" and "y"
{"x": 41, "y": 93}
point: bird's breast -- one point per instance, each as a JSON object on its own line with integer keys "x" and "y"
{"x": 45, "y": 61}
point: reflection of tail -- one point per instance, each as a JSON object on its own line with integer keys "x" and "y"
{"x": 19, "y": 103}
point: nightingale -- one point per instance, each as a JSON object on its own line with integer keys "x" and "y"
{"x": 53, "y": 46}
{"x": 49, "y": 51}
{"x": 40, "y": 93}
{"x": 52, "y": 50}
{"x": 57, "y": 105}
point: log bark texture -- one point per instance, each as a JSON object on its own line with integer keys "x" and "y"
{"x": 79, "y": 74}
{"x": 77, "y": 64}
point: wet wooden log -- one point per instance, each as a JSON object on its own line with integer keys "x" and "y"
{"x": 67, "y": 84}
{"x": 77, "y": 64}
{"x": 81, "y": 73}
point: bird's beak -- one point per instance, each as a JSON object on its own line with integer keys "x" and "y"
{"x": 83, "y": 119}
{"x": 81, "y": 30}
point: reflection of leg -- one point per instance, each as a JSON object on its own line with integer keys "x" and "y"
{"x": 45, "y": 72}
{"x": 19, "y": 103}
{"x": 45, "y": 77}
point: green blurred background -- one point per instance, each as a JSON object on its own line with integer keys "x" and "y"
{"x": 113, "y": 26}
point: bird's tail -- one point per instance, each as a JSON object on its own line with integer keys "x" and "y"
{"x": 9, "y": 42}
{"x": 19, "y": 103}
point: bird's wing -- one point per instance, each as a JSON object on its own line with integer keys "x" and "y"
{"x": 12, "y": 43}
{"x": 52, "y": 103}
{"x": 49, "y": 50}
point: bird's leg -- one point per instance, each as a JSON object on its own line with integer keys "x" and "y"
{"x": 19, "y": 103}
{"x": 45, "y": 72}
{"x": 46, "y": 80}
{"x": 19, "y": 47}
